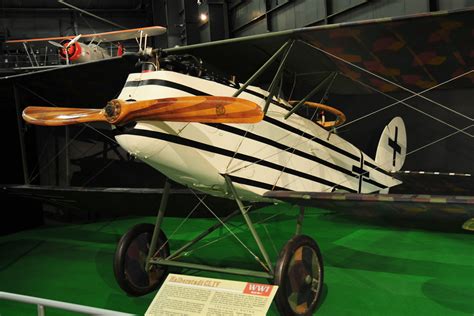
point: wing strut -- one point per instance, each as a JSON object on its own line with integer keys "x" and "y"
{"x": 153, "y": 254}
{"x": 28, "y": 54}
{"x": 263, "y": 68}
{"x": 309, "y": 95}
{"x": 250, "y": 225}
{"x": 159, "y": 221}
{"x": 273, "y": 85}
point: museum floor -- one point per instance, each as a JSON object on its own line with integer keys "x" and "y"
{"x": 371, "y": 268}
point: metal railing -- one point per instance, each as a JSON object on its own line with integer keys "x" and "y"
{"x": 41, "y": 303}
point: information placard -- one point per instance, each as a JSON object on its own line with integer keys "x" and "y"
{"x": 191, "y": 295}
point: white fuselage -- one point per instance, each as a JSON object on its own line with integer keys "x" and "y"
{"x": 275, "y": 154}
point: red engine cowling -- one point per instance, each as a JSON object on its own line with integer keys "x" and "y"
{"x": 80, "y": 52}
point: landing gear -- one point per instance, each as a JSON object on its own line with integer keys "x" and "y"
{"x": 299, "y": 274}
{"x": 143, "y": 255}
{"x": 130, "y": 260}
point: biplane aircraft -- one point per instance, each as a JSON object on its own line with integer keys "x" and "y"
{"x": 234, "y": 139}
{"x": 74, "y": 49}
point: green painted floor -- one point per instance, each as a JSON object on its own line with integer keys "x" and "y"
{"x": 370, "y": 268}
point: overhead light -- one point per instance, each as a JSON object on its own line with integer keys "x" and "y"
{"x": 203, "y": 17}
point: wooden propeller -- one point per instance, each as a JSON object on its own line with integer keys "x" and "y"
{"x": 202, "y": 109}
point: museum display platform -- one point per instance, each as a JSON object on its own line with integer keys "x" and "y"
{"x": 373, "y": 266}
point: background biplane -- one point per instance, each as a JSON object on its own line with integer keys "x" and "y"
{"x": 316, "y": 54}
{"x": 83, "y": 48}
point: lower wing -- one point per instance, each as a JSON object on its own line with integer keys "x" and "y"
{"x": 111, "y": 200}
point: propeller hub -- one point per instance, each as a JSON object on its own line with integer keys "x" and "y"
{"x": 112, "y": 110}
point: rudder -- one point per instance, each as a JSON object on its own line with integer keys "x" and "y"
{"x": 392, "y": 147}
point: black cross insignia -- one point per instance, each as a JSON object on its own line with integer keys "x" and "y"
{"x": 361, "y": 172}
{"x": 396, "y": 147}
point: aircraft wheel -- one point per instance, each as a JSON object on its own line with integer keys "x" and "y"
{"x": 130, "y": 260}
{"x": 299, "y": 274}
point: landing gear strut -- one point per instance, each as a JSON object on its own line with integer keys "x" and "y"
{"x": 143, "y": 255}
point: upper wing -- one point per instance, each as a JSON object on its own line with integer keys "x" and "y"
{"x": 127, "y": 34}
{"x": 401, "y": 205}
{"x": 41, "y": 39}
{"x": 416, "y": 52}
{"x": 104, "y": 37}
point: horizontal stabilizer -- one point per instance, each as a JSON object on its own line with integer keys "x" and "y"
{"x": 413, "y": 206}
{"x": 434, "y": 182}
{"x": 469, "y": 224}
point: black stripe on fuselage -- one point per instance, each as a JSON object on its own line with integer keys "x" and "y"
{"x": 377, "y": 168}
{"x": 323, "y": 143}
{"x": 292, "y": 150}
{"x": 261, "y": 96}
{"x": 375, "y": 183}
{"x": 283, "y": 147}
{"x": 310, "y": 137}
{"x": 164, "y": 83}
{"x": 326, "y": 144}
{"x": 287, "y": 127}
{"x": 224, "y": 152}
{"x": 257, "y": 184}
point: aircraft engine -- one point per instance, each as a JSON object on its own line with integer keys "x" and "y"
{"x": 79, "y": 52}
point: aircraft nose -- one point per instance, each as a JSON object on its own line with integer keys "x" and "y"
{"x": 69, "y": 50}
{"x": 139, "y": 146}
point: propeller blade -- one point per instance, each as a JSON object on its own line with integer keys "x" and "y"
{"x": 202, "y": 109}
{"x": 75, "y": 39}
{"x": 53, "y": 116}
{"x": 56, "y": 44}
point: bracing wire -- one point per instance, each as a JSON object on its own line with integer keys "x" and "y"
{"x": 232, "y": 233}
{"x": 416, "y": 150}
{"x": 389, "y": 81}
{"x": 32, "y": 177}
{"x": 242, "y": 227}
{"x": 399, "y": 101}
{"x": 365, "y": 116}
{"x": 200, "y": 201}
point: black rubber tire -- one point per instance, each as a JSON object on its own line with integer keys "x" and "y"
{"x": 130, "y": 257}
{"x": 300, "y": 278}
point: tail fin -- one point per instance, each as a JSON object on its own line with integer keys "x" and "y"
{"x": 392, "y": 147}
